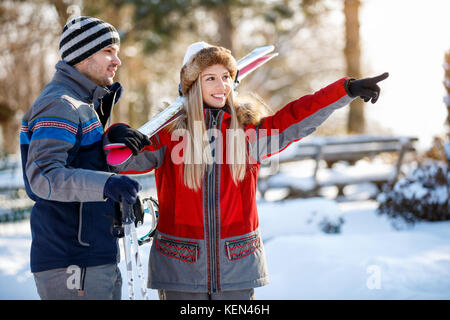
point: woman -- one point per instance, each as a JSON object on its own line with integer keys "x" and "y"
{"x": 207, "y": 245}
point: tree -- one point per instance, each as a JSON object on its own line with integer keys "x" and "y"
{"x": 447, "y": 87}
{"x": 352, "y": 51}
{"x": 227, "y": 23}
{"x": 447, "y": 102}
{"x": 27, "y": 36}
{"x": 159, "y": 32}
{"x": 154, "y": 37}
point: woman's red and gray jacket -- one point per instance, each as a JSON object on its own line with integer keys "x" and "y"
{"x": 208, "y": 240}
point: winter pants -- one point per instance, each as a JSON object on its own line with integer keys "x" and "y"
{"x": 102, "y": 282}
{"x": 247, "y": 294}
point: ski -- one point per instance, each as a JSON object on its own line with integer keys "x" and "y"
{"x": 119, "y": 153}
{"x": 130, "y": 243}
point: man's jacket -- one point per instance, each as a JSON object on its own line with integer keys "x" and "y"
{"x": 65, "y": 170}
{"x": 208, "y": 240}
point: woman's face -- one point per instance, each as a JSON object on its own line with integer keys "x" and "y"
{"x": 216, "y": 85}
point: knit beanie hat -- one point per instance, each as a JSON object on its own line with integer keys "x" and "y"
{"x": 201, "y": 55}
{"x": 84, "y": 36}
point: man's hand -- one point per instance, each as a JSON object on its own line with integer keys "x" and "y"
{"x": 122, "y": 188}
{"x": 366, "y": 88}
{"x": 132, "y": 138}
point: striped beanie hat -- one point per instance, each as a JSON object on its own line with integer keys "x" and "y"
{"x": 84, "y": 36}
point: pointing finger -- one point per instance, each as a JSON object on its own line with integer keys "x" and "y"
{"x": 381, "y": 77}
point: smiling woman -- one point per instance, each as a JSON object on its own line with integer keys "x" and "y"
{"x": 216, "y": 85}
{"x": 208, "y": 238}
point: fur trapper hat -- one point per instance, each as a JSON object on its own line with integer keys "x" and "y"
{"x": 201, "y": 55}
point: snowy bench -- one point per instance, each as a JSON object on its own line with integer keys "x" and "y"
{"x": 334, "y": 161}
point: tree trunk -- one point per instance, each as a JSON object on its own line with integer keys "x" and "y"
{"x": 356, "y": 118}
{"x": 61, "y": 7}
{"x": 447, "y": 102}
{"x": 145, "y": 116}
{"x": 225, "y": 26}
{"x": 10, "y": 132}
{"x": 447, "y": 87}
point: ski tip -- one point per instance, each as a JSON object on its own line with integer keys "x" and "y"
{"x": 270, "y": 46}
{"x": 118, "y": 156}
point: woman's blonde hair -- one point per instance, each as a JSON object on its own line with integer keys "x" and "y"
{"x": 197, "y": 151}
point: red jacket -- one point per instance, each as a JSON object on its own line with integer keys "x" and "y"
{"x": 216, "y": 227}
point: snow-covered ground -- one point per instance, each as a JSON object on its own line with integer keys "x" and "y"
{"x": 368, "y": 259}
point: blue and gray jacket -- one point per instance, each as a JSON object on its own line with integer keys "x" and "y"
{"x": 65, "y": 171}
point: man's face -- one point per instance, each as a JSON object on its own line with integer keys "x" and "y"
{"x": 102, "y": 66}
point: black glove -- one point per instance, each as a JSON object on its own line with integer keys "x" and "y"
{"x": 132, "y": 138}
{"x": 366, "y": 88}
{"x": 107, "y": 102}
{"x": 121, "y": 188}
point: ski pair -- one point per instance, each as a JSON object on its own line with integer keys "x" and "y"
{"x": 132, "y": 216}
{"x": 130, "y": 243}
{"x": 119, "y": 153}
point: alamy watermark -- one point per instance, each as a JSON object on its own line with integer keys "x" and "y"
{"x": 258, "y": 143}
{"x": 74, "y": 280}
{"x": 373, "y": 282}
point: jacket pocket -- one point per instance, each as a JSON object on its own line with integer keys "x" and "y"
{"x": 239, "y": 248}
{"x": 82, "y": 226}
{"x": 181, "y": 250}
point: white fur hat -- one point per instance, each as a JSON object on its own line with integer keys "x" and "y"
{"x": 201, "y": 55}
{"x": 193, "y": 49}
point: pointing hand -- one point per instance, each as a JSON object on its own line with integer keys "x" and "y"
{"x": 366, "y": 88}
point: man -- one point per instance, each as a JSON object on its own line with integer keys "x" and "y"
{"x": 74, "y": 254}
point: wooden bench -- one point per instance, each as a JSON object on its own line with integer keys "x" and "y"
{"x": 328, "y": 154}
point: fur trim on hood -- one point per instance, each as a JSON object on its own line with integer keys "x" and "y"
{"x": 251, "y": 109}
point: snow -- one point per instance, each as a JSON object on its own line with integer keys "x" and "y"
{"x": 299, "y": 216}
{"x": 11, "y": 179}
{"x": 417, "y": 186}
{"x": 416, "y": 190}
{"x": 411, "y": 264}
{"x": 447, "y": 149}
{"x": 367, "y": 260}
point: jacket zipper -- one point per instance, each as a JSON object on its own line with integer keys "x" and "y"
{"x": 112, "y": 106}
{"x": 212, "y": 218}
{"x": 211, "y": 231}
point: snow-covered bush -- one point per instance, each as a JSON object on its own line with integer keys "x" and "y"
{"x": 423, "y": 195}
{"x": 331, "y": 225}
